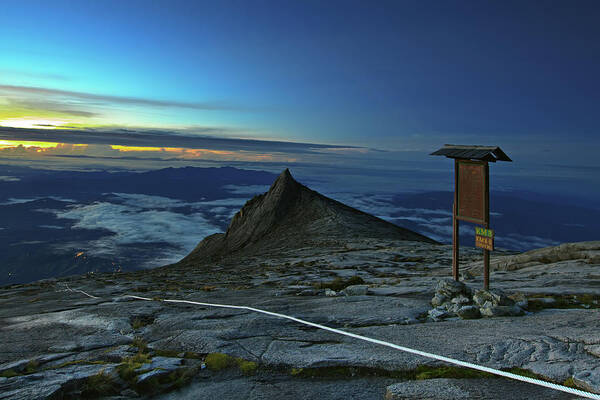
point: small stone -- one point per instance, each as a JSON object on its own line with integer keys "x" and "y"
{"x": 488, "y": 304}
{"x": 438, "y": 300}
{"x": 481, "y": 297}
{"x": 451, "y": 307}
{"x": 356, "y": 290}
{"x": 330, "y": 293}
{"x": 438, "y": 313}
{"x": 460, "y": 299}
{"x": 468, "y": 312}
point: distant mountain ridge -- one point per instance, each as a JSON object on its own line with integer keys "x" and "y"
{"x": 290, "y": 215}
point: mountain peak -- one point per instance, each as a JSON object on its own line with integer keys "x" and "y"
{"x": 285, "y": 174}
{"x": 284, "y": 181}
{"x": 290, "y": 215}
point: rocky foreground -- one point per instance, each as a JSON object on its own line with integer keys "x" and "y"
{"x": 83, "y": 337}
{"x": 59, "y": 343}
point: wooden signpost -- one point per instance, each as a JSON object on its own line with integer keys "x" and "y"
{"x": 472, "y": 198}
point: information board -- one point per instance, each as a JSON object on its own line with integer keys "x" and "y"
{"x": 471, "y": 191}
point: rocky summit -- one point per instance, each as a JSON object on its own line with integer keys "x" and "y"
{"x": 295, "y": 252}
{"x": 291, "y": 216}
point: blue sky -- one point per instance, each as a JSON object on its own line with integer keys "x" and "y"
{"x": 398, "y": 75}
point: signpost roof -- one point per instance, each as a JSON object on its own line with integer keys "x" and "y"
{"x": 469, "y": 152}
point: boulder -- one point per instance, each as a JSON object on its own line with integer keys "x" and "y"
{"x": 438, "y": 300}
{"x": 501, "y": 311}
{"x": 495, "y": 296}
{"x": 451, "y": 288}
{"x": 460, "y": 299}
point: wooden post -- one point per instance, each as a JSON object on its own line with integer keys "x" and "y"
{"x": 455, "y": 236}
{"x": 486, "y": 215}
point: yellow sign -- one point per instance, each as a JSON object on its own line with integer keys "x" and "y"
{"x": 484, "y": 238}
{"x": 479, "y": 231}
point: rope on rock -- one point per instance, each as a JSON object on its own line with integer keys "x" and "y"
{"x": 482, "y": 368}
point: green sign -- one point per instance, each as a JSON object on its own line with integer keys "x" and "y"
{"x": 479, "y": 231}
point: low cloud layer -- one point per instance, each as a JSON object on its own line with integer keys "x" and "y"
{"x": 132, "y": 225}
{"x": 11, "y": 200}
{"x": 434, "y": 223}
{"x": 246, "y": 189}
{"x": 139, "y": 220}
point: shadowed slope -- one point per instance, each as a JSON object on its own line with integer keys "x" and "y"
{"x": 288, "y": 216}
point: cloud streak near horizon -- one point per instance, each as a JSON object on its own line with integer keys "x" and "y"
{"x": 125, "y": 100}
{"x": 135, "y": 148}
{"x": 165, "y": 138}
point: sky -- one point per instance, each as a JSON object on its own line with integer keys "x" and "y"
{"x": 339, "y": 77}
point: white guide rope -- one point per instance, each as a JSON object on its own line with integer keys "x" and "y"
{"x": 504, "y": 374}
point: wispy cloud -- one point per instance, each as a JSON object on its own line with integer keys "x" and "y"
{"x": 50, "y": 105}
{"x": 34, "y": 74}
{"x": 122, "y": 100}
{"x": 12, "y": 201}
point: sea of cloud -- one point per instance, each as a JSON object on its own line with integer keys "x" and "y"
{"x": 434, "y": 223}
{"x": 129, "y": 219}
{"x": 133, "y": 221}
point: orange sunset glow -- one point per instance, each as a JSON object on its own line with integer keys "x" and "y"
{"x": 57, "y": 148}
{"x": 179, "y": 150}
{"x": 4, "y": 144}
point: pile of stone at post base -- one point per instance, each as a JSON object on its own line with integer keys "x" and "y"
{"x": 455, "y": 299}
